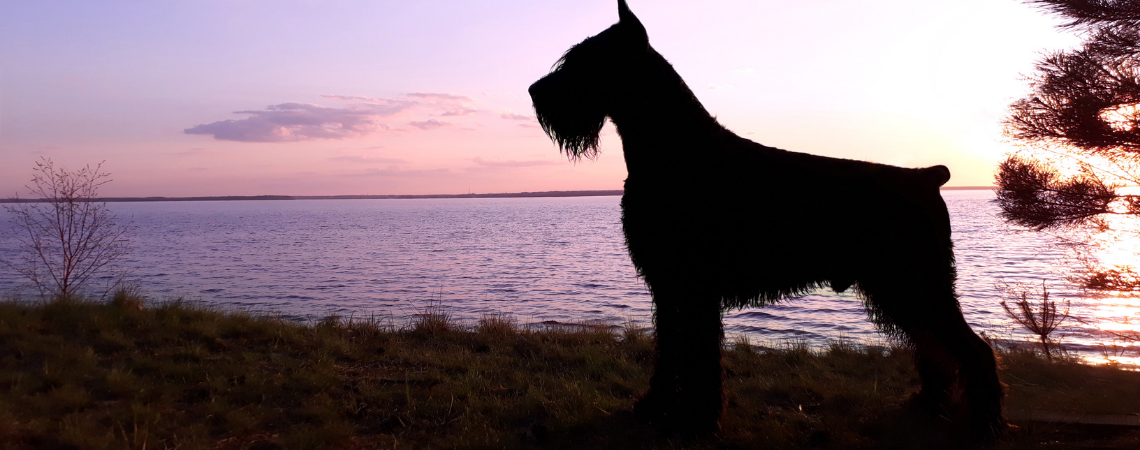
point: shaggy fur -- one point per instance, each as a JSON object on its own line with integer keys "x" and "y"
{"x": 714, "y": 221}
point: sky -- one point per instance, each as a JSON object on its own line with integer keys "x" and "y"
{"x": 305, "y": 97}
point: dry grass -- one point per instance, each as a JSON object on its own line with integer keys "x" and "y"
{"x": 125, "y": 375}
{"x": 497, "y": 325}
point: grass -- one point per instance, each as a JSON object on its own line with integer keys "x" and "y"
{"x": 123, "y": 375}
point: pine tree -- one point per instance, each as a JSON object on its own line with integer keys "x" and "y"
{"x": 1081, "y": 127}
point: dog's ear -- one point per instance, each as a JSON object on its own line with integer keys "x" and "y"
{"x": 630, "y": 23}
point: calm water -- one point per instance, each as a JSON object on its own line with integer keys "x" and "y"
{"x": 541, "y": 259}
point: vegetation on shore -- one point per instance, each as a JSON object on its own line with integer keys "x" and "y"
{"x": 78, "y": 374}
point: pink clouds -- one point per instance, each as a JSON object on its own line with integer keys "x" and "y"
{"x": 511, "y": 163}
{"x": 429, "y": 124}
{"x": 293, "y": 122}
{"x": 368, "y": 159}
{"x": 515, "y": 116}
{"x": 459, "y": 112}
{"x": 393, "y": 171}
{"x": 451, "y": 104}
{"x": 440, "y": 97}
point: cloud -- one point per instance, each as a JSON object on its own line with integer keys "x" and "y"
{"x": 353, "y": 97}
{"x": 191, "y": 151}
{"x": 440, "y": 97}
{"x": 531, "y": 163}
{"x": 459, "y": 112}
{"x": 393, "y": 171}
{"x": 450, "y": 104}
{"x": 291, "y": 122}
{"x": 513, "y": 116}
{"x": 368, "y": 159}
{"x": 429, "y": 124}
{"x": 39, "y": 149}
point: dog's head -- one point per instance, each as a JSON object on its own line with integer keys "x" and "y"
{"x": 572, "y": 102}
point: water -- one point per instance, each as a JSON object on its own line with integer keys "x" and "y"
{"x": 541, "y": 259}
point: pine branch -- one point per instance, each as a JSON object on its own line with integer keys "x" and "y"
{"x": 1086, "y": 13}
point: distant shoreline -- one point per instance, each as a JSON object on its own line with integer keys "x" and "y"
{"x": 968, "y": 188}
{"x": 346, "y": 197}
{"x": 600, "y": 193}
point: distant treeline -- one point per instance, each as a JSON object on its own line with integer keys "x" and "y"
{"x": 382, "y": 197}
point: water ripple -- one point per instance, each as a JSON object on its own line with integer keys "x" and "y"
{"x": 543, "y": 259}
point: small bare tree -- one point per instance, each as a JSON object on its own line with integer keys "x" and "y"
{"x": 1041, "y": 319}
{"x": 67, "y": 237}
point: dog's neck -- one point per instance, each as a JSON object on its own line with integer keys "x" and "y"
{"x": 660, "y": 120}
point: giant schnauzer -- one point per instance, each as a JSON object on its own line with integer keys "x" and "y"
{"x": 714, "y": 221}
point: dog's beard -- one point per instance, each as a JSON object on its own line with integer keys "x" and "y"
{"x": 575, "y": 133}
{"x": 570, "y": 117}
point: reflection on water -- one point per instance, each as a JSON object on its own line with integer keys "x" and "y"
{"x": 541, "y": 259}
{"x": 1109, "y": 316}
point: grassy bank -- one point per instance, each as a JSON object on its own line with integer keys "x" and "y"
{"x": 120, "y": 375}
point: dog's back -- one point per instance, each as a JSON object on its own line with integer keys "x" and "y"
{"x": 743, "y": 202}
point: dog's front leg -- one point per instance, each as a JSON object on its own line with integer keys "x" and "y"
{"x": 686, "y": 392}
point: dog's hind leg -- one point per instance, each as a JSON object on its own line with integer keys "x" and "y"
{"x": 936, "y": 370}
{"x": 946, "y": 350}
{"x": 977, "y": 375}
{"x": 958, "y": 347}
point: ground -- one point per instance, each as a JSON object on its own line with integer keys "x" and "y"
{"x": 78, "y": 375}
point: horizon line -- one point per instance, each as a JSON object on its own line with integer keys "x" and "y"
{"x": 525, "y": 194}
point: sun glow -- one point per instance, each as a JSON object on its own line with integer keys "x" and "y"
{"x": 1119, "y": 245}
{"x": 1122, "y": 117}
{"x": 1115, "y": 314}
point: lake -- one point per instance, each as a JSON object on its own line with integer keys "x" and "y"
{"x": 540, "y": 259}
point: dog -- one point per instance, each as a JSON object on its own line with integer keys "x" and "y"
{"x": 714, "y": 221}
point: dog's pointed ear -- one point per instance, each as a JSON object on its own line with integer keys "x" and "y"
{"x": 630, "y": 23}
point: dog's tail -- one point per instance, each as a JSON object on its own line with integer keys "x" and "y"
{"x": 934, "y": 176}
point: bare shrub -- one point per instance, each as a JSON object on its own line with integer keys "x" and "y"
{"x": 1040, "y": 318}
{"x": 67, "y": 238}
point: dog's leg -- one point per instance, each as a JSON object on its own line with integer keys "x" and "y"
{"x": 700, "y": 378}
{"x": 686, "y": 391}
{"x": 662, "y": 395}
{"x": 700, "y": 396}
{"x": 977, "y": 375}
{"x": 958, "y": 347}
{"x": 934, "y": 362}
{"x": 946, "y": 350}
{"x": 936, "y": 371}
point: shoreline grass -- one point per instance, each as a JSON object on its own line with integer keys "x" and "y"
{"x": 78, "y": 374}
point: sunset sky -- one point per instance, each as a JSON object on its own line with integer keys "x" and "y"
{"x": 203, "y": 97}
